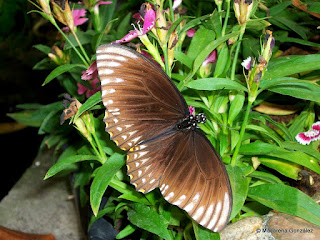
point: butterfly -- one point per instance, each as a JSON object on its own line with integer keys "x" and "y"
{"x": 147, "y": 116}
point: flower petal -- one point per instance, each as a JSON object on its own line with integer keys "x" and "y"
{"x": 127, "y": 38}
{"x": 192, "y": 110}
{"x": 303, "y": 139}
{"x": 211, "y": 58}
{"x": 191, "y": 32}
{"x": 176, "y": 3}
{"x": 316, "y": 126}
{"x": 247, "y": 63}
{"x": 149, "y": 20}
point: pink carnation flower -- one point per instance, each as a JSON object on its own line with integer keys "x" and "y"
{"x": 148, "y": 23}
{"x": 305, "y": 138}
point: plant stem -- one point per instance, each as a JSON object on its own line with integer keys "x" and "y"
{"x": 81, "y": 47}
{"x": 226, "y": 19}
{"x": 165, "y": 55}
{"x": 74, "y": 48}
{"x": 236, "y": 54}
{"x": 243, "y": 128}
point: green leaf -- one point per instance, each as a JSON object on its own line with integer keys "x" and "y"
{"x": 239, "y": 184}
{"x": 43, "y": 48}
{"x": 204, "y": 53}
{"x": 204, "y": 233}
{"x": 302, "y": 148}
{"x": 216, "y": 84}
{"x": 91, "y": 101}
{"x": 65, "y": 162}
{"x": 129, "y": 229}
{"x": 288, "y": 200}
{"x": 60, "y": 70}
{"x": 25, "y": 118}
{"x": 265, "y": 130}
{"x": 146, "y": 218}
{"x": 302, "y": 89}
{"x": 259, "y": 148}
{"x": 268, "y": 177}
{"x": 289, "y": 65}
{"x": 199, "y": 41}
{"x": 314, "y": 7}
{"x": 221, "y": 61}
{"x": 138, "y": 197}
{"x": 287, "y": 23}
{"x": 102, "y": 179}
{"x": 236, "y": 106}
{"x": 183, "y": 58}
{"x": 284, "y": 167}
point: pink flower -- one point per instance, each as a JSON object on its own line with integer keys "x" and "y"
{"x": 78, "y": 15}
{"x": 191, "y": 32}
{"x": 89, "y": 92}
{"x": 91, "y": 72}
{"x": 211, "y": 58}
{"x": 101, "y": 3}
{"x": 247, "y": 63}
{"x": 313, "y": 134}
{"x": 78, "y": 18}
{"x": 149, "y": 19}
{"x": 192, "y": 110}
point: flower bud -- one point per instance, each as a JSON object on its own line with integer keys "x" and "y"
{"x": 45, "y": 5}
{"x": 63, "y": 14}
{"x": 58, "y": 56}
{"x": 242, "y": 10}
{"x": 173, "y": 40}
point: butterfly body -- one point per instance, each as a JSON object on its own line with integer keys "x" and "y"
{"x": 147, "y": 116}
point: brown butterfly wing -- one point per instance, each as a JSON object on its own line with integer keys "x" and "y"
{"x": 196, "y": 180}
{"x": 143, "y": 107}
{"x": 140, "y": 99}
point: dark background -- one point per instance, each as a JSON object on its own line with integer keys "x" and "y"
{"x": 21, "y": 84}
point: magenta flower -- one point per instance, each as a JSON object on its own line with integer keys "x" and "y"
{"x": 313, "y": 134}
{"x": 91, "y": 72}
{"x": 89, "y": 92}
{"x": 247, "y": 63}
{"x": 149, "y": 19}
{"x": 101, "y": 3}
{"x": 78, "y": 18}
{"x": 192, "y": 110}
{"x": 191, "y": 32}
{"x": 211, "y": 58}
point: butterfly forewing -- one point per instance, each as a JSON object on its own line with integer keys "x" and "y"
{"x": 143, "y": 108}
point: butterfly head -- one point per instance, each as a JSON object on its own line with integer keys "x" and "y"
{"x": 191, "y": 121}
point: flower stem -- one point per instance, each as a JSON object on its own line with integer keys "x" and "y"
{"x": 242, "y": 131}
{"x": 236, "y": 54}
{"x": 74, "y": 48}
{"x": 81, "y": 47}
{"x": 226, "y": 19}
{"x": 165, "y": 55}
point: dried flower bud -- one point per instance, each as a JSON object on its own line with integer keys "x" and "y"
{"x": 63, "y": 13}
{"x": 242, "y": 10}
{"x": 45, "y": 5}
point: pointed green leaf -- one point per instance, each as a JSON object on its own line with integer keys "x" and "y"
{"x": 60, "y": 70}
{"x": 146, "y": 218}
{"x": 287, "y": 199}
{"x": 102, "y": 179}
